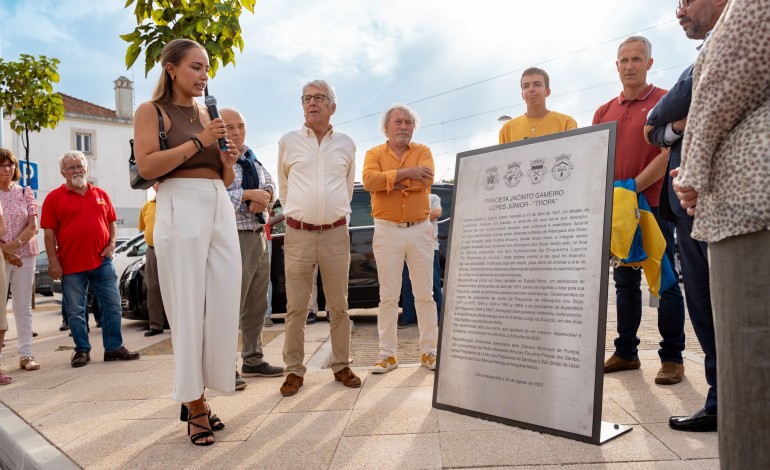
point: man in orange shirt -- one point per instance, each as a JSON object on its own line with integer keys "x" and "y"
{"x": 399, "y": 174}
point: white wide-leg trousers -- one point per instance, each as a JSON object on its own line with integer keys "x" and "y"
{"x": 199, "y": 269}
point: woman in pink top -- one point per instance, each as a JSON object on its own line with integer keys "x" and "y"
{"x": 20, "y": 250}
{"x": 4, "y": 379}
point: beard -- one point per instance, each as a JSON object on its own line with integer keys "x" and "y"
{"x": 79, "y": 181}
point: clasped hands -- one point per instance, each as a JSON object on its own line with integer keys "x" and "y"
{"x": 258, "y": 200}
{"x": 9, "y": 253}
{"x": 688, "y": 196}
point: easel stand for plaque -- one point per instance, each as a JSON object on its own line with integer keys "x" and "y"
{"x": 611, "y": 430}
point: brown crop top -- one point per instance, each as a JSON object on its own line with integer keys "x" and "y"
{"x": 180, "y": 133}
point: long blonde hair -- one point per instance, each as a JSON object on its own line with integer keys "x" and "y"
{"x": 173, "y": 53}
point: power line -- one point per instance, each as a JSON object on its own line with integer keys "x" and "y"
{"x": 497, "y": 110}
{"x": 552, "y": 59}
{"x": 463, "y": 87}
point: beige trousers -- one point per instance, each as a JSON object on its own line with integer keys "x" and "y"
{"x": 199, "y": 269}
{"x": 330, "y": 250}
{"x": 392, "y": 246}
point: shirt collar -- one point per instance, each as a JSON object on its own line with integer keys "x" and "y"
{"x": 309, "y": 131}
{"x": 642, "y": 96}
{"x": 88, "y": 188}
{"x": 705, "y": 39}
{"x": 389, "y": 150}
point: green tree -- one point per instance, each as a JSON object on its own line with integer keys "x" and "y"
{"x": 27, "y": 96}
{"x": 212, "y": 23}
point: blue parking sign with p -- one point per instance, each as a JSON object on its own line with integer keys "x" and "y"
{"x": 33, "y": 180}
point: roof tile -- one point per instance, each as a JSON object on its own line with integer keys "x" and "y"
{"x": 77, "y": 106}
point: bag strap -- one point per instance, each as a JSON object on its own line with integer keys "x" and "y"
{"x": 161, "y": 134}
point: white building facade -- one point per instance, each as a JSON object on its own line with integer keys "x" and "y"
{"x": 102, "y": 134}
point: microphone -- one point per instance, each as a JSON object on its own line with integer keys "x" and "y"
{"x": 211, "y": 104}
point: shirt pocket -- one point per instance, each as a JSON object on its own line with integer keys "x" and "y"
{"x": 338, "y": 165}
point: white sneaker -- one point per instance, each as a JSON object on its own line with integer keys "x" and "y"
{"x": 428, "y": 360}
{"x": 385, "y": 364}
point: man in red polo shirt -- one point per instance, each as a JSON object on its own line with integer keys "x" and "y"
{"x": 79, "y": 223}
{"x": 634, "y": 158}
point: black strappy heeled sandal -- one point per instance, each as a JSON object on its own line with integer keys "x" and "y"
{"x": 214, "y": 421}
{"x": 201, "y": 438}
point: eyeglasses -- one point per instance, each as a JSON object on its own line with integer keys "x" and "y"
{"x": 317, "y": 98}
{"x": 681, "y": 9}
{"x": 74, "y": 168}
{"x": 8, "y": 166}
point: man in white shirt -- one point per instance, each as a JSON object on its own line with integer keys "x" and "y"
{"x": 316, "y": 167}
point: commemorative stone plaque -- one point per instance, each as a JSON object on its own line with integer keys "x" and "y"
{"x": 525, "y": 305}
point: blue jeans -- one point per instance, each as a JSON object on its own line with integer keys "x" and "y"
{"x": 629, "y": 308}
{"x": 104, "y": 282}
{"x": 65, "y": 317}
{"x": 408, "y": 313}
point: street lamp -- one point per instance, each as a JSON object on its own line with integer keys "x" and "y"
{"x": 503, "y": 118}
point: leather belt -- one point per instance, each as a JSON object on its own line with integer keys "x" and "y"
{"x": 294, "y": 223}
{"x": 398, "y": 224}
{"x": 257, "y": 230}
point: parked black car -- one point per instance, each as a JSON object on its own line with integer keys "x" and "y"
{"x": 363, "y": 285}
{"x": 133, "y": 291}
{"x": 43, "y": 281}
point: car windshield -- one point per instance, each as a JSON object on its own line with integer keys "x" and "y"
{"x": 361, "y": 205}
{"x": 138, "y": 238}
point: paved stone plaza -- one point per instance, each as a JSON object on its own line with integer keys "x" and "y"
{"x": 120, "y": 415}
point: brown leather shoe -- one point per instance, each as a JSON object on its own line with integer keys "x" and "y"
{"x": 291, "y": 385}
{"x": 348, "y": 378}
{"x": 670, "y": 373}
{"x": 616, "y": 364}
{"x": 120, "y": 354}
{"x": 80, "y": 358}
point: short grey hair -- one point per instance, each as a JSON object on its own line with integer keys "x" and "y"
{"x": 323, "y": 84}
{"x": 73, "y": 154}
{"x": 643, "y": 40}
{"x": 399, "y": 107}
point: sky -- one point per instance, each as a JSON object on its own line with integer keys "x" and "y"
{"x": 457, "y": 63}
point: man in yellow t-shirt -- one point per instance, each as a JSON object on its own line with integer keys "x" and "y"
{"x": 154, "y": 300}
{"x": 538, "y": 120}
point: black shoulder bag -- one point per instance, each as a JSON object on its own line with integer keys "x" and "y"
{"x": 137, "y": 181}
